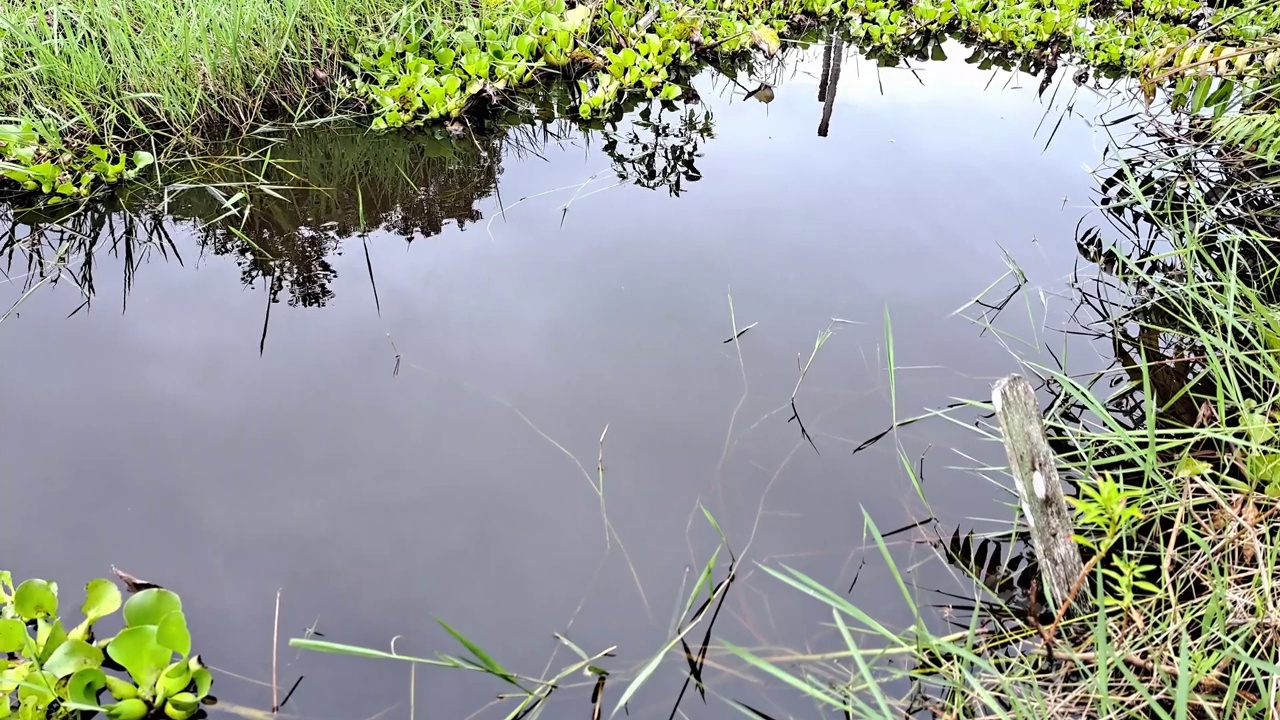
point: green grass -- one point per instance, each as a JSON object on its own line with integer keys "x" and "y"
{"x": 124, "y": 68}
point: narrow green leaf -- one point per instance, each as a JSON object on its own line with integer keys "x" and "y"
{"x": 325, "y": 646}
{"x": 488, "y": 663}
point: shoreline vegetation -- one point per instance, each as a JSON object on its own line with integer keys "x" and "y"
{"x": 1172, "y": 454}
{"x": 96, "y": 91}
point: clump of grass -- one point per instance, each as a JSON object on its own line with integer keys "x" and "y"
{"x": 124, "y": 68}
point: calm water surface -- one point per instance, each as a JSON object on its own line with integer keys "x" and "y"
{"x": 412, "y": 429}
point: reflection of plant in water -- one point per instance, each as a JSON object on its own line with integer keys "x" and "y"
{"x": 411, "y": 187}
{"x": 282, "y": 224}
{"x": 654, "y": 152}
{"x": 49, "y": 245}
{"x": 283, "y": 210}
{"x": 56, "y": 672}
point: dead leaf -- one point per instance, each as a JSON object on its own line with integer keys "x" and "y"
{"x": 132, "y": 583}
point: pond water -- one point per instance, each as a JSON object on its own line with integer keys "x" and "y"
{"x": 405, "y": 423}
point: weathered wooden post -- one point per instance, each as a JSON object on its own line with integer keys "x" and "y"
{"x": 1035, "y": 473}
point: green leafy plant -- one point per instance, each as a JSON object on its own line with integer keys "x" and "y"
{"x": 53, "y": 672}
{"x": 30, "y": 159}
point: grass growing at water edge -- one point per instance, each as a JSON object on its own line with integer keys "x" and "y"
{"x": 137, "y": 76}
{"x": 1177, "y": 470}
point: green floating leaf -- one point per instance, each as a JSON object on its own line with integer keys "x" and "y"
{"x": 38, "y": 687}
{"x": 181, "y": 706}
{"x": 13, "y": 635}
{"x": 71, "y": 657}
{"x": 84, "y": 686}
{"x": 172, "y": 633}
{"x": 49, "y": 636}
{"x": 174, "y": 679}
{"x": 150, "y": 606}
{"x": 121, "y": 689}
{"x": 131, "y": 709}
{"x": 101, "y": 598}
{"x": 142, "y": 158}
{"x": 35, "y": 599}
{"x": 11, "y": 677}
{"x": 204, "y": 681}
{"x": 136, "y": 649}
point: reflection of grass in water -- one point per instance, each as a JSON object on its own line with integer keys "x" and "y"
{"x": 283, "y": 207}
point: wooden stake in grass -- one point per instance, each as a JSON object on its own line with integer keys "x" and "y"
{"x": 1035, "y": 474}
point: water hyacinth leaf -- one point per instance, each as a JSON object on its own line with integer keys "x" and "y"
{"x": 150, "y": 606}
{"x": 11, "y": 677}
{"x": 181, "y": 707}
{"x": 71, "y": 657}
{"x": 13, "y": 635}
{"x": 49, "y": 635}
{"x": 101, "y": 598}
{"x": 172, "y": 633}
{"x": 84, "y": 686}
{"x": 136, "y": 650}
{"x": 35, "y": 599}
{"x": 121, "y": 689}
{"x": 131, "y": 709}
{"x": 174, "y": 679}
{"x": 203, "y": 680}
{"x": 38, "y": 687}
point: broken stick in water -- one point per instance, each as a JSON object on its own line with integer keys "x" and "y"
{"x": 1035, "y": 473}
